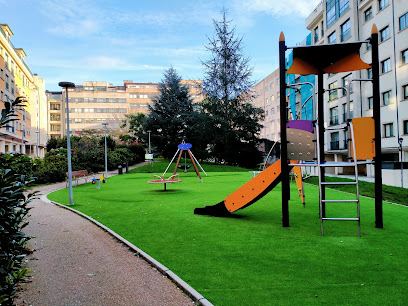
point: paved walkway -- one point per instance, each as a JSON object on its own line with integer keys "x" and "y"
{"x": 77, "y": 263}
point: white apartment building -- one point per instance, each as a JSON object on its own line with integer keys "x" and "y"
{"x": 338, "y": 21}
{"x": 267, "y": 97}
{"x": 94, "y": 103}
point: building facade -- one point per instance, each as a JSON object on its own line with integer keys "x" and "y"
{"x": 342, "y": 21}
{"x": 267, "y": 98}
{"x": 94, "y": 103}
{"x": 28, "y": 134}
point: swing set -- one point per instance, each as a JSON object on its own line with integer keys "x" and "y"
{"x": 174, "y": 178}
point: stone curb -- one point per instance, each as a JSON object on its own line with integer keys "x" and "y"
{"x": 186, "y": 288}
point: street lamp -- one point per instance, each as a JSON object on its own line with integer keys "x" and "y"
{"x": 402, "y": 166}
{"x": 149, "y": 131}
{"x": 67, "y": 85}
{"x": 150, "y": 160}
{"x": 106, "y": 152}
{"x": 38, "y": 142}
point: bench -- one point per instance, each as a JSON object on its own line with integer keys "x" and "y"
{"x": 76, "y": 175}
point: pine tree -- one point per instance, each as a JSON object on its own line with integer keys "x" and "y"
{"x": 171, "y": 116}
{"x": 227, "y": 85}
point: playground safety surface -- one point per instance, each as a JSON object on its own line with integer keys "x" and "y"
{"x": 77, "y": 263}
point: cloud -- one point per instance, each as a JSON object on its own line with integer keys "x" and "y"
{"x": 299, "y": 8}
{"x": 71, "y": 18}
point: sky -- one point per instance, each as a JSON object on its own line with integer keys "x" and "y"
{"x": 116, "y": 40}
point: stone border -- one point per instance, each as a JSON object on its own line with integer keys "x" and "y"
{"x": 186, "y": 288}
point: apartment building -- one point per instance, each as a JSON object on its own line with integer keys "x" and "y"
{"x": 94, "y": 103}
{"x": 300, "y": 99}
{"x": 342, "y": 21}
{"x": 56, "y": 113}
{"x": 28, "y": 134}
{"x": 267, "y": 97}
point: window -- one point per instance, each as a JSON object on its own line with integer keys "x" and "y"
{"x": 389, "y": 130}
{"x": 382, "y": 4}
{"x": 386, "y": 97}
{"x": 330, "y": 12}
{"x": 322, "y": 29}
{"x": 334, "y": 141}
{"x": 386, "y": 65}
{"x": 368, "y": 14}
{"x": 332, "y": 38}
{"x": 405, "y": 92}
{"x": 345, "y": 30}
{"x": 405, "y": 123}
{"x": 334, "y": 9}
{"x": 344, "y": 6}
{"x": 384, "y": 34}
{"x": 403, "y": 21}
{"x": 404, "y": 57}
{"x": 316, "y": 35}
{"x": 334, "y": 116}
{"x": 346, "y": 81}
{"x": 370, "y": 102}
{"x": 333, "y": 93}
{"x": 368, "y": 46}
{"x": 344, "y": 112}
{"x": 369, "y": 73}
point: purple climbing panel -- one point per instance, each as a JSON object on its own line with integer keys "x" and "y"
{"x": 305, "y": 125}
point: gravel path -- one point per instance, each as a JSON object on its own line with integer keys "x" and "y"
{"x": 77, "y": 263}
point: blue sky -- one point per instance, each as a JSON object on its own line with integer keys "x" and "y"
{"x": 116, "y": 40}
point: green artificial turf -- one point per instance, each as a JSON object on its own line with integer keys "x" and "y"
{"x": 251, "y": 259}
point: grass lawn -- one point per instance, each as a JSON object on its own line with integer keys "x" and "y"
{"x": 251, "y": 259}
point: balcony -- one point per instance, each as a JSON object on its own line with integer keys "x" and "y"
{"x": 315, "y": 16}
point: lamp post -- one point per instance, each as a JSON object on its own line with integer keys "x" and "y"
{"x": 38, "y": 141}
{"x": 149, "y": 131}
{"x": 402, "y": 166}
{"x": 106, "y": 152}
{"x": 67, "y": 85}
{"x": 150, "y": 161}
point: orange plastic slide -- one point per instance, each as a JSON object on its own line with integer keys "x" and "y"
{"x": 247, "y": 194}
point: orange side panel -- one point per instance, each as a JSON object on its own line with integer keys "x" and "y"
{"x": 299, "y": 182}
{"x": 251, "y": 190}
{"x": 300, "y": 66}
{"x": 349, "y": 63}
{"x": 364, "y": 137}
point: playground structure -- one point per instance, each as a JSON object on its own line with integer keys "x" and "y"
{"x": 98, "y": 181}
{"x": 174, "y": 178}
{"x": 302, "y": 141}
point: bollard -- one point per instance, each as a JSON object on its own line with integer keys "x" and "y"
{"x": 120, "y": 170}
{"x": 127, "y": 167}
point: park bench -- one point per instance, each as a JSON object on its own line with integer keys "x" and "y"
{"x": 76, "y": 175}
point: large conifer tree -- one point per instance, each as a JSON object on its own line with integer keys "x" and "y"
{"x": 171, "y": 116}
{"x": 234, "y": 121}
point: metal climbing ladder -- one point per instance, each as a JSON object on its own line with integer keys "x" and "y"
{"x": 352, "y": 162}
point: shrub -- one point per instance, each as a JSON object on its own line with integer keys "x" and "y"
{"x": 14, "y": 210}
{"x": 19, "y": 163}
{"x": 13, "y": 213}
